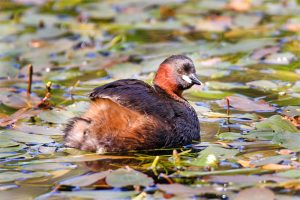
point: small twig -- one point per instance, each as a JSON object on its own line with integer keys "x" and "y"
{"x": 30, "y": 72}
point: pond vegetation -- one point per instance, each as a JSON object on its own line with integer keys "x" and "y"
{"x": 245, "y": 51}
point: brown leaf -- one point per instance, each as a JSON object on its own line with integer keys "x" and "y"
{"x": 245, "y": 104}
{"x": 255, "y": 194}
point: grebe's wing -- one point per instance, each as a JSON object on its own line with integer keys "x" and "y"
{"x": 137, "y": 95}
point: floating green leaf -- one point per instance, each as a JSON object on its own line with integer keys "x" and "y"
{"x": 126, "y": 177}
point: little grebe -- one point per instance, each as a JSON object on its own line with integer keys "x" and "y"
{"x": 129, "y": 114}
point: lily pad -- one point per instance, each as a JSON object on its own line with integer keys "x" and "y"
{"x": 58, "y": 116}
{"x": 126, "y": 177}
{"x": 212, "y": 154}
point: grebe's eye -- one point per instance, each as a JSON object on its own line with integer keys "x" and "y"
{"x": 186, "y": 67}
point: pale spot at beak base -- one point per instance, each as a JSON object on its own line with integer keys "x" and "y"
{"x": 186, "y": 78}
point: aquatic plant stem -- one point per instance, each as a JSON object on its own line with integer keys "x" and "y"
{"x": 154, "y": 165}
{"x": 30, "y": 72}
{"x": 44, "y": 103}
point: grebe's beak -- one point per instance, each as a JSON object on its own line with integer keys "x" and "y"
{"x": 195, "y": 80}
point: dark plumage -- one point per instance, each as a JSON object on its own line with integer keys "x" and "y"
{"x": 129, "y": 114}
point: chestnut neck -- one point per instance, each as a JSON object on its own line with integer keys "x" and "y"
{"x": 166, "y": 80}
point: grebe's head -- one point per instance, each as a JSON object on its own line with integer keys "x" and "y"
{"x": 175, "y": 74}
